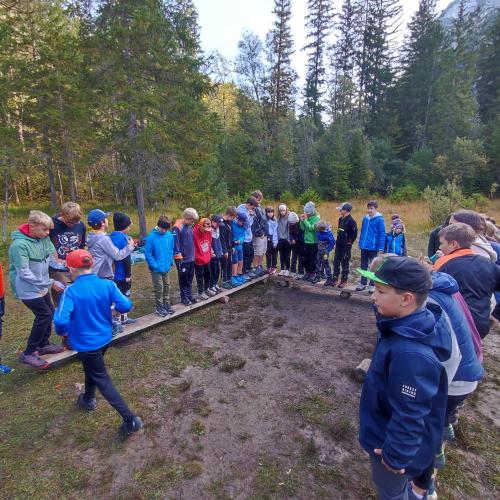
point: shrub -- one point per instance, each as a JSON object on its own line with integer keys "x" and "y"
{"x": 286, "y": 197}
{"x": 309, "y": 195}
{"x": 410, "y": 192}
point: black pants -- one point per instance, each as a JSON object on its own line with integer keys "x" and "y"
{"x": 297, "y": 258}
{"x": 202, "y": 277}
{"x": 247, "y": 256}
{"x": 310, "y": 254}
{"x": 366, "y": 257}
{"x": 43, "y": 310}
{"x": 226, "y": 267}
{"x": 186, "y": 273}
{"x": 271, "y": 255}
{"x": 323, "y": 264}
{"x": 124, "y": 286}
{"x": 341, "y": 259}
{"x": 96, "y": 376}
{"x": 284, "y": 249}
{"x": 215, "y": 270}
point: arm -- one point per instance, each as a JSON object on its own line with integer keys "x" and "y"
{"x": 127, "y": 264}
{"x": 148, "y": 254}
{"x": 386, "y": 244}
{"x": 275, "y": 235}
{"x": 112, "y": 251}
{"x": 331, "y": 242}
{"x": 307, "y": 224}
{"x": 354, "y": 231}
{"x": 62, "y": 316}
{"x": 177, "y": 244}
{"x": 84, "y": 237}
{"x": 403, "y": 246}
{"x": 122, "y": 303}
{"x": 381, "y": 234}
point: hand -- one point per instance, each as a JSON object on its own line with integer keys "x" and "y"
{"x": 293, "y": 242}
{"x": 226, "y": 255}
{"x": 303, "y": 216}
{"x": 400, "y": 472}
{"x": 58, "y": 286}
{"x": 128, "y": 280}
{"x": 131, "y": 244}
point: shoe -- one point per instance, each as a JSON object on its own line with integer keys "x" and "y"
{"x": 202, "y": 296}
{"x": 5, "y": 369}
{"x": 191, "y": 298}
{"x": 281, "y": 273}
{"x": 431, "y": 492}
{"x": 50, "y": 349}
{"x": 291, "y": 275}
{"x": 167, "y": 308}
{"x": 116, "y": 328}
{"x": 330, "y": 282}
{"x": 244, "y": 278}
{"x": 287, "y": 273}
{"x": 128, "y": 428}
{"x": 299, "y": 276}
{"x": 218, "y": 289}
{"x": 260, "y": 272}
{"x": 83, "y": 404}
{"x": 342, "y": 284}
{"x": 360, "y": 287}
{"x": 448, "y": 433}
{"x": 227, "y": 285}
{"x": 210, "y": 292}
{"x": 160, "y": 310}
{"x": 129, "y": 321}
{"x": 440, "y": 459}
{"x": 252, "y": 274}
{"x": 273, "y": 270}
{"x": 316, "y": 278}
{"x": 235, "y": 281}
{"x": 33, "y": 360}
{"x": 371, "y": 288}
{"x": 186, "y": 302}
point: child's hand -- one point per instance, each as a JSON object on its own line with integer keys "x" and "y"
{"x": 128, "y": 280}
{"x": 58, "y": 286}
{"x": 400, "y": 472}
{"x": 293, "y": 242}
{"x": 226, "y": 255}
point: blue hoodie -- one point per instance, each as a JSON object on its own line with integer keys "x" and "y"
{"x": 405, "y": 391}
{"x": 238, "y": 234}
{"x": 395, "y": 243}
{"x": 326, "y": 241}
{"x": 372, "y": 233}
{"x": 443, "y": 288}
{"x": 122, "y": 267}
{"x": 84, "y": 312}
{"x": 159, "y": 251}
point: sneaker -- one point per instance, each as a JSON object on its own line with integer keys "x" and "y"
{"x": 167, "y": 308}
{"x": 448, "y": 433}
{"x": 235, "y": 281}
{"x": 129, "y": 321}
{"x": 128, "y": 428}
{"x": 360, "y": 287}
{"x": 116, "y": 328}
{"x": 342, "y": 284}
{"x": 245, "y": 278}
{"x": 273, "y": 270}
{"x": 192, "y": 299}
{"x": 282, "y": 273}
{"x": 50, "y": 349}
{"x": 86, "y": 405}
{"x": 33, "y": 360}
{"x": 260, "y": 272}
{"x": 5, "y": 369}
{"x": 217, "y": 289}
{"x": 210, "y": 292}
{"x": 440, "y": 459}
{"x": 291, "y": 275}
{"x": 431, "y": 492}
{"x": 299, "y": 276}
{"x": 252, "y": 274}
{"x": 371, "y": 288}
{"x": 316, "y": 278}
{"x": 330, "y": 282}
{"x": 160, "y": 310}
{"x": 242, "y": 280}
{"x": 186, "y": 302}
{"x": 202, "y": 296}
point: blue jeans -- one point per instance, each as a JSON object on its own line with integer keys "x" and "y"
{"x": 389, "y": 486}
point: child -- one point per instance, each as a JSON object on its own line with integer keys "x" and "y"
{"x": 249, "y": 208}
{"x": 68, "y": 234}
{"x": 403, "y": 399}
{"x": 3, "y": 368}
{"x": 30, "y": 256}
{"x": 395, "y": 242}
{"x": 123, "y": 268}
{"x": 326, "y": 242}
{"x": 371, "y": 241}
{"x": 159, "y": 253}
{"x": 84, "y": 315}
{"x": 239, "y": 231}
{"x": 226, "y": 239}
{"x": 308, "y": 222}
{"x": 216, "y": 261}
{"x": 284, "y": 247}
{"x": 296, "y": 245}
{"x": 184, "y": 253}
{"x": 203, "y": 253}
{"x": 260, "y": 231}
{"x": 346, "y": 236}
{"x": 272, "y": 241}
{"x": 477, "y": 277}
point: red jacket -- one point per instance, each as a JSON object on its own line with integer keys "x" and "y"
{"x": 202, "y": 246}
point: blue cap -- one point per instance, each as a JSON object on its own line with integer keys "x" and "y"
{"x": 96, "y": 216}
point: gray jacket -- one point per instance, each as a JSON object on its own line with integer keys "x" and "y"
{"x": 105, "y": 253}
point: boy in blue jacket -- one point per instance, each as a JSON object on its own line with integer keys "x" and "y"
{"x": 159, "y": 253}
{"x": 395, "y": 241}
{"x": 371, "y": 240}
{"x": 84, "y": 316}
{"x": 404, "y": 396}
{"x": 326, "y": 242}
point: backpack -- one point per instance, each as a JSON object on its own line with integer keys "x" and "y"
{"x": 259, "y": 225}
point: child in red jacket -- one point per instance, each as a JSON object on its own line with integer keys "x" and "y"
{"x": 202, "y": 255}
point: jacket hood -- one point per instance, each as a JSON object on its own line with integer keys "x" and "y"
{"x": 324, "y": 235}
{"x": 93, "y": 238}
{"x": 444, "y": 283}
{"x": 22, "y": 233}
{"x": 425, "y": 326}
{"x": 377, "y": 214}
{"x": 484, "y": 247}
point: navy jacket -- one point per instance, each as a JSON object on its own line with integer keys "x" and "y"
{"x": 326, "y": 241}
{"x": 84, "y": 312}
{"x": 183, "y": 241}
{"x": 443, "y": 288}
{"x": 372, "y": 233}
{"x": 406, "y": 388}
{"x": 159, "y": 251}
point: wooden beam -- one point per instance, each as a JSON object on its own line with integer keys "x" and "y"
{"x": 149, "y": 320}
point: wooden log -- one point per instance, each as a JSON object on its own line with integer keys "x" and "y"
{"x": 362, "y": 369}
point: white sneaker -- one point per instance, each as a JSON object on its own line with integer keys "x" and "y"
{"x": 291, "y": 275}
{"x": 286, "y": 273}
{"x": 210, "y": 292}
{"x": 281, "y": 273}
{"x": 360, "y": 287}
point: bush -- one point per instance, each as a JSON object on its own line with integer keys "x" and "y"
{"x": 410, "y": 192}
{"x": 286, "y": 197}
{"x": 480, "y": 201}
{"x": 309, "y": 195}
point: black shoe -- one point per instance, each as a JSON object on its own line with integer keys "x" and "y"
{"x": 192, "y": 299}
{"x": 167, "y": 308}
{"x": 83, "y": 404}
{"x": 160, "y": 311}
{"x": 186, "y": 302}
{"x": 128, "y": 428}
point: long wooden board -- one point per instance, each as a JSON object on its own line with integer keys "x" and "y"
{"x": 150, "y": 320}
{"x": 344, "y": 293}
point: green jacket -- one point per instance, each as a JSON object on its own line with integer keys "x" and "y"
{"x": 307, "y": 225}
{"x": 29, "y": 260}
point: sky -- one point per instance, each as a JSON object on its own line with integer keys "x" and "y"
{"x": 223, "y": 21}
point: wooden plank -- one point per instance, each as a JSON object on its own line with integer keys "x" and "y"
{"x": 149, "y": 320}
{"x": 344, "y": 293}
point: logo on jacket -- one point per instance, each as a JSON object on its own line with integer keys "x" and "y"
{"x": 409, "y": 391}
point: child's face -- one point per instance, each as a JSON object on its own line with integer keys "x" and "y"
{"x": 389, "y": 303}
{"x": 282, "y": 211}
{"x": 309, "y": 215}
{"x": 215, "y": 225}
{"x": 162, "y": 230}
{"x": 343, "y": 213}
{"x": 207, "y": 226}
{"x": 188, "y": 221}
{"x": 397, "y": 230}
{"x": 229, "y": 218}
{"x": 371, "y": 211}
{"x": 447, "y": 247}
{"x": 239, "y": 222}
{"x": 39, "y": 231}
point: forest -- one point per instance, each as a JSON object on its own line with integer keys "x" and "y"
{"x": 114, "y": 100}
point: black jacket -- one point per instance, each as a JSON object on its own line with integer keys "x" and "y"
{"x": 433, "y": 245}
{"x": 477, "y": 279}
{"x": 347, "y": 231}
{"x": 226, "y": 236}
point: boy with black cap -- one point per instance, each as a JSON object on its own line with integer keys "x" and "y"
{"x": 404, "y": 396}
{"x": 84, "y": 316}
{"x": 123, "y": 268}
{"x": 346, "y": 236}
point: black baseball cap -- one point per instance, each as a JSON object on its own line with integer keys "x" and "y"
{"x": 404, "y": 273}
{"x": 345, "y": 206}
{"x": 217, "y": 218}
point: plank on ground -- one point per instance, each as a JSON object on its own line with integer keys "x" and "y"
{"x": 149, "y": 320}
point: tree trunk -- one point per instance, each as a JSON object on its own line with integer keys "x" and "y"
{"x": 139, "y": 194}
{"x": 61, "y": 190}
{"x": 91, "y": 188}
{"x": 16, "y": 194}
{"x": 5, "y": 214}
{"x": 69, "y": 162}
{"x": 50, "y": 167}
{"x": 27, "y": 182}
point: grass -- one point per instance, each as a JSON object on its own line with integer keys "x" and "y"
{"x": 273, "y": 481}
{"x": 229, "y": 363}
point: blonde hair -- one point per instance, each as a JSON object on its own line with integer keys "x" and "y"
{"x": 37, "y": 218}
{"x": 71, "y": 210}
{"x": 190, "y": 213}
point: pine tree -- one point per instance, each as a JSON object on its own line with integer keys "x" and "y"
{"x": 359, "y": 161}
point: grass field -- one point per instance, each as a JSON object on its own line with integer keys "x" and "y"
{"x": 205, "y": 410}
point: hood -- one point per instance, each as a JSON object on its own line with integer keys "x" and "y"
{"x": 324, "y": 235}
{"x": 426, "y": 326}
{"x": 157, "y": 233}
{"x": 93, "y": 238}
{"x": 444, "y": 283}
{"x": 201, "y": 231}
{"x": 484, "y": 245}
{"x": 377, "y": 214}
{"x": 22, "y": 233}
